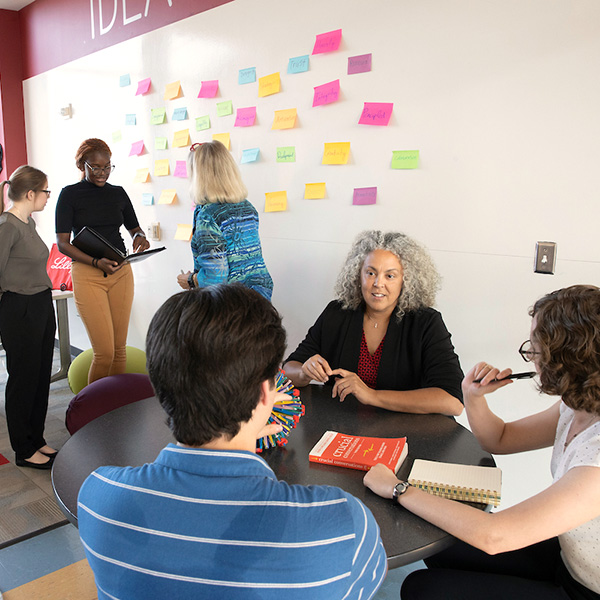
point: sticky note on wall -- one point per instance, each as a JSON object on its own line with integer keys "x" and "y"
{"x": 327, "y": 42}
{"x": 209, "y": 89}
{"x": 284, "y": 119}
{"x": 376, "y": 113}
{"x": 336, "y": 153}
{"x": 167, "y": 197}
{"x": 184, "y": 232}
{"x": 269, "y": 84}
{"x": 275, "y": 201}
{"x": 364, "y": 196}
{"x": 223, "y": 138}
{"x": 314, "y": 191}
{"x": 405, "y": 159}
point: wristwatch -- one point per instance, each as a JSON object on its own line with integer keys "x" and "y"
{"x": 399, "y": 489}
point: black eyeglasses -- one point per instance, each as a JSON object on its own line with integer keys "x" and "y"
{"x": 526, "y": 351}
{"x": 96, "y": 170}
{"x": 47, "y": 192}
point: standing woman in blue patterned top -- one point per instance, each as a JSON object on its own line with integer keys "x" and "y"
{"x": 225, "y": 242}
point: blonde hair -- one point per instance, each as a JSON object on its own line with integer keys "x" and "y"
{"x": 421, "y": 280}
{"x": 23, "y": 179}
{"x": 214, "y": 176}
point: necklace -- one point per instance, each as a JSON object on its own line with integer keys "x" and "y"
{"x": 375, "y": 323}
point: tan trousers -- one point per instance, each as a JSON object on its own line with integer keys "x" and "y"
{"x": 104, "y": 304}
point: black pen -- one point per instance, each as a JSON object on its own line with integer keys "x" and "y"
{"x": 527, "y": 375}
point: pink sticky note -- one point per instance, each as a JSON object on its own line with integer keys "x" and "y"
{"x": 376, "y": 113}
{"x": 363, "y": 196}
{"x": 209, "y": 89}
{"x": 327, "y": 93}
{"x": 359, "y": 64}
{"x": 245, "y": 117}
{"x": 136, "y": 148}
{"x": 327, "y": 42}
{"x": 143, "y": 87}
{"x": 180, "y": 169}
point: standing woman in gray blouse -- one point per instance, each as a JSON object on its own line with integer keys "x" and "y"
{"x": 27, "y": 321}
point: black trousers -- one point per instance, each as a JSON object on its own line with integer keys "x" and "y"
{"x": 465, "y": 573}
{"x": 27, "y": 327}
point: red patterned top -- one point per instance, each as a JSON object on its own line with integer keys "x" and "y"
{"x": 368, "y": 364}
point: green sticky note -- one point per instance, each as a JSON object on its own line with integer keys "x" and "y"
{"x": 160, "y": 143}
{"x": 158, "y": 116}
{"x": 405, "y": 159}
{"x": 224, "y": 108}
{"x": 117, "y": 136}
{"x": 202, "y": 123}
{"x": 286, "y": 154}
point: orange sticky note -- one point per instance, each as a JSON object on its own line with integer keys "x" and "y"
{"x": 173, "y": 90}
{"x": 167, "y": 197}
{"x": 284, "y": 119}
{"x": 275, "y": 201}
{"x": 183, "y": 232}
{"x": 161, "y": 167}
{"x": 142, "y": 176}
{"x": 336, "y": 153}
{"x": 269, "y": 84}
{"x": 223, "y": 138}
{"x": 313, "y": 191}
{"x": 181, "y": 139}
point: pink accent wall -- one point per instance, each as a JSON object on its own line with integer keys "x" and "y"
{"x": 55, "y": 32}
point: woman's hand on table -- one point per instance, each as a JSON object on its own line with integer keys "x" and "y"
{"x": 490, "y": 379}
{"x": 350, "y": 383}
{"x": 381, "y": 480}
{"x": 317, "y": 368}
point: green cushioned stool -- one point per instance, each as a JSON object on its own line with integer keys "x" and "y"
{"x": 80, "y": 367}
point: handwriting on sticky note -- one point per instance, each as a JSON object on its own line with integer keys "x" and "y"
{"x": 245, "y": 117}
{"x": 173, "y": 90}
{"x": 405, "y": 159}
{"x": 327, "y": 42}
{"x": 161, "y": 167}
{"x": 167, "y": 197}
{"x": 359, "y": 64}
{"x": 364, "y": 196}
{"x": 275, "y": 201}
{"x": 142, "y": 176}
{"x": 269, "y": 84}
{"x": 160, "y": 143}
{"x": 181, "y": 139}
{"x": 143, "y": 87}
{"x": 180, "y": 114}
{"x": 180, "y": 169}
{"x": 250, "y": 155}
{"x": 209, "y": 89}
{"x": 183, "y": 232}
{"x": 298, "y": 64}
{"x": 224, "y": 108}
{"x": 376, "y": 113}
{"x": 202, "y": 123}
{"x": 224, "y": 138}
{"x": 284, "y": 119}
{"x": 247, "y": 75}
{"x": 336, "y": 153}
{"x": 314, "y": 191}
{"x": 286, "y": 154}
{"x": 326, "y": 93}
{"x": 137, "y": 148}
{"x": 130, "y": 119}
{"x": 158, "y": 116}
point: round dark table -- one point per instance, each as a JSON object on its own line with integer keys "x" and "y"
{"x": 135, "y": 434}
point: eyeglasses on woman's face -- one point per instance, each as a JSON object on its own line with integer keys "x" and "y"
{"x": 97, "y": 170}
{"x": 47, "y": 192}
{"x": 527, "y": 352}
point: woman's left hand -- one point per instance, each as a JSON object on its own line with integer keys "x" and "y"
{"x": 381, "y": 480}
{"x": 350, "y": 383}
{"x": 182, "y": 280}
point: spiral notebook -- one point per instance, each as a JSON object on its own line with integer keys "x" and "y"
{"x": 467, "y": 483}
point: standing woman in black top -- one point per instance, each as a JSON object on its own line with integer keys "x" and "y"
{"x": 27, "y": 321}
{"x": 103, "y": 289}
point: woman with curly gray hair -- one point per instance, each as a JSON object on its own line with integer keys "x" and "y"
{"x": 380, "y": 340}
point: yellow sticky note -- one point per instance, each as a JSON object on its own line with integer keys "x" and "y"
{"x": 173, "y": 90}
{"x": 312, "y": 191}
{"x": 161, "y": 167}
{"x": 117, "y": 136}
{"x": 184, "y": 232}
{"x": 142, "y": 176}
{"x": 181, "y": 138}
{"x": 336, "y": 153}
{"x": 223, "y": 138}
{"x": 275, "y": 201}
{"x": 167, "y": 197}
{"x": 284, "y": 119}
{"x": 269, "y": 84}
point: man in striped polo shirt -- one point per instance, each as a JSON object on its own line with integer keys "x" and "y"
{"x": 208, "y": 518}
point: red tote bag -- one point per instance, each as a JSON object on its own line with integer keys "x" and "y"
{"x": 59, "y": 270}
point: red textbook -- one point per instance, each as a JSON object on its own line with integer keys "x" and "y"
{"x": 359, "y": 452}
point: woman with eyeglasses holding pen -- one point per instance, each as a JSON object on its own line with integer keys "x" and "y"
{"x": 27, "y": 321}
{"x": 225, "y": 242}
{"x": 547, "y": 546}
{"x": 103, "y": 289}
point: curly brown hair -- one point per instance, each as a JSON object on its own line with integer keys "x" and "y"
{"x": 88, "y": 147}
{"x": 567, "y": 336}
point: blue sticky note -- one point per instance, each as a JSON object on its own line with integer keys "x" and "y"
{"x": 124, "y": 80}
{"x": 247, "y": 75}
{"x": 130, "y": 120}
{"x": 298, "y": 64}
{"x": 147, "y": 199}
{"x": 250, "y": 155}
{"x": 180, "y": 114}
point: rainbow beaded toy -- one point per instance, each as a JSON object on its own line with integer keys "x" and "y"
{"x": 286, "y": 413}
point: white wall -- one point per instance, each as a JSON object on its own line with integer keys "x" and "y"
{"x": 500, "y": 97}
